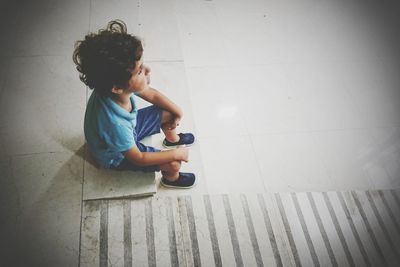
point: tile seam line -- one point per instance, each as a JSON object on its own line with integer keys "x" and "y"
{"x": 321, "y": 131}
{"x": 40, "y": 153}
{"x": 16, "y": 56}
{"x": 181, "y": 227}
{"x": 166, "y": 61}
{"x": 266, "y": 190}
{"x": 82, "y": 203}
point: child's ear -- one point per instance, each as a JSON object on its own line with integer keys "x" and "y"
{"x": 117, "y": 90}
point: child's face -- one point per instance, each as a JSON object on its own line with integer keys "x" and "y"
{"x": 138, "y": 81}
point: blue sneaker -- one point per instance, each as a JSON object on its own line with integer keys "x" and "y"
{"x": 184, "y": 139}
{"x": 184, "y": 181}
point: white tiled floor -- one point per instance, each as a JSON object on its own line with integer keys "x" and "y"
{"x": 282, "y": 96}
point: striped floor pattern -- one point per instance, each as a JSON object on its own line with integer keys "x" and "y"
{"x": 352, "y": 228}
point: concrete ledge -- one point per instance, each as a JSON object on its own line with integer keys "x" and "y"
{"x": 111, "y": 184}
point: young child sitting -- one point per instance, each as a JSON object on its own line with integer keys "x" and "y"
{"x": 111, "y": 63}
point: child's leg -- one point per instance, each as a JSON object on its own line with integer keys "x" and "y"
{"x": 170, "y": 135}
{"x": 170, "y": 171}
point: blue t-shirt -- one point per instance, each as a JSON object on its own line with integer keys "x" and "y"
{"x": 109, "y": 129}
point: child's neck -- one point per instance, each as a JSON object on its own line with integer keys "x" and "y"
{"x": 124, "y": 100}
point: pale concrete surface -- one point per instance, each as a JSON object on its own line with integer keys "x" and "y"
{"x": 100, "y": 183}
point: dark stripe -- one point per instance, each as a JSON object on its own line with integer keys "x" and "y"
{"x": 396, "y": 197}
{"x": 232, "y": 231}
{"x": 171, "y": 234}
{"x": 338, "y": 229}
{"x": 305, "y": 230}
{"x": 353, "y": 228}
{"x": 151, "y": 250}
{"x": 322, "y": 229}
{"x": 287, "y": 230}
{"x": 389, "y": 210}
{"x": 127, "y": 234}
{"x": 192, "y": 230}
{"x": 250, "y": 227}
{"x": 271, "y": 235}
{"x": 381, "y": 224}
{"x": 369, "y": 229}
{"x": 213, "y": 232}
{"x": 104, "y": 233}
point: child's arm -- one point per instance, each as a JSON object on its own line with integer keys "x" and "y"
{"x": 139, "y": 158}
{"x": 157, "y": 98}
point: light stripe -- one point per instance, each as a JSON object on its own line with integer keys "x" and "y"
{"x": 213, "y": 232}
{"x": 127, "y": 234}
{"x": 192, "y": 230}
{"x": 270, "y": 231}
{"x": 382, "y": 225}
{"x": 232, "y": 231}
{"x": 250, "y": 227}
{"x": 338, "y": 229}
{"x": 171, "y": 234}
{"x": 287, "y": 230}
{"x": 104, "y": 234}
{"x": 389, "y": 210}
{"x": 353, "y": 228}
{"x": 322, "y": 229}
{"x": 369, "y": 229}
{"x": 151, "y": 250}
{"x": 305, "y": 230}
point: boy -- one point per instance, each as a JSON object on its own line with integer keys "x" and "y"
{"x": 111, "y": 63}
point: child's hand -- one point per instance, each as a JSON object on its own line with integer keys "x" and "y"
{"x": 183, "y": 153}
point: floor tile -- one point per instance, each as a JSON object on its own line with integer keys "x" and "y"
{"x": 230, "y": 165}
{"x": 324, "y": 99}
{"x": 196, "y": 29}
{"x": 159, "y": 31}
{"x": 267, "y": 43}
{"x": 270, "y": 103}
{"x": 10, "y": 210}
{"x": 48, "y": 190}
{"x": 216, "y": 101}
{"x": 384, "y": 158}
{"x": 291, "y": 162}
{"x": 193, "y": 6}
{"x": 45, "y": 112}
{"x": 57, "y": 25}
{"x": 346, "y": 157}
{"x": 8, "y": 15}
{"x": 102, "y": 12}
{"x": 372, "y": 92}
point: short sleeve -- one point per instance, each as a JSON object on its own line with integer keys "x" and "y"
{"x": 119, "y": 137}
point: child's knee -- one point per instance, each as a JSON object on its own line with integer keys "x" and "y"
{"x": 166, "y": 117}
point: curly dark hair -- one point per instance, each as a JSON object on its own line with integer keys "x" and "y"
{"x": 107, "y": 59}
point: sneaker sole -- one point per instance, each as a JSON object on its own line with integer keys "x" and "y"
{"x": 176, "y": 187}
{"x": 174, "y": 147}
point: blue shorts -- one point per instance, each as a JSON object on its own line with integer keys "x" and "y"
{"x": 148, "y": 122}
